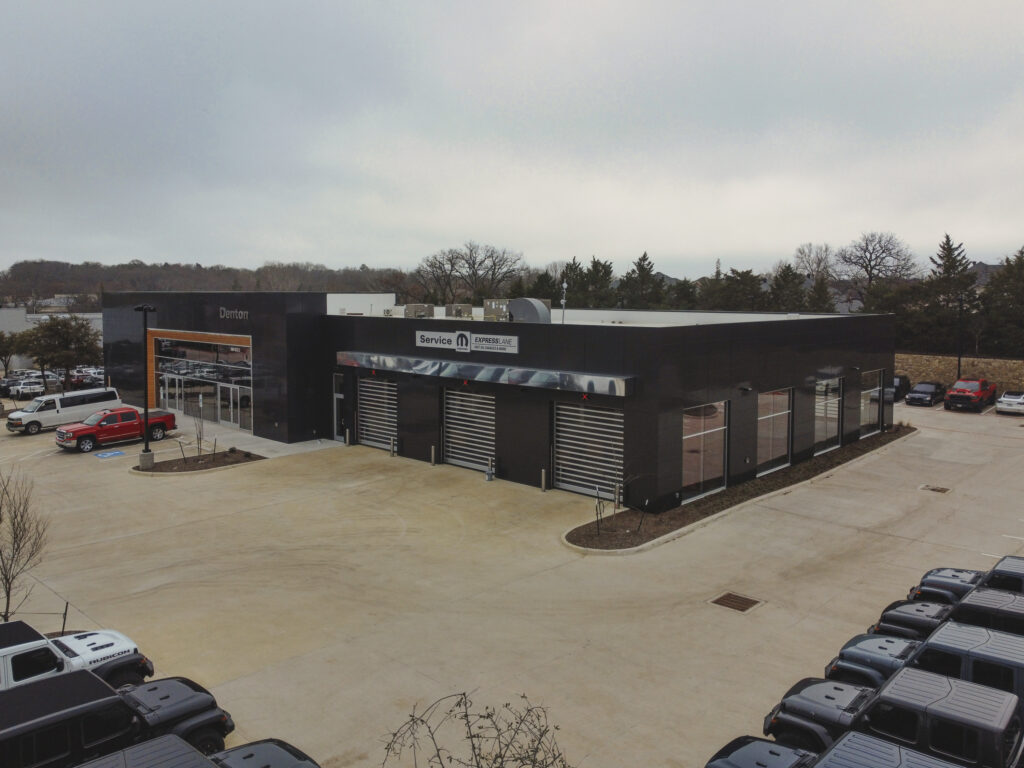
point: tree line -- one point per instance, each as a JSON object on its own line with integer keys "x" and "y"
{"x": 939, "y": 308}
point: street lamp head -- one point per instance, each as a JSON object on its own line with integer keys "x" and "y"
{"x": 145, "y": 308}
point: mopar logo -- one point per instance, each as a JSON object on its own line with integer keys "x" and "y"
{"x": 462, "y": 341}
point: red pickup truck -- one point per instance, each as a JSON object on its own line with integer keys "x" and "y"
{"x": 970, "y": 393}
{"x": 114, "y": 425}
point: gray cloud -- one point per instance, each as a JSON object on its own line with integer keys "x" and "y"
{"x": 347, "y": 133}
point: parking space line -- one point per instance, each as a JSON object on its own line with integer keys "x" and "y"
{"x": 989, "y": 554}
{"x": 1008, "y": 536}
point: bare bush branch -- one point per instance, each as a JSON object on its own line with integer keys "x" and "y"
{"x": 22, "y": 535}
{"x": 450, "y": 732}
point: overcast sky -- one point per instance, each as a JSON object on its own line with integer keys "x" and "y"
{"x": 380, "y": 132}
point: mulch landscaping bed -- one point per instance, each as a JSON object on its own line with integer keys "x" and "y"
{"x": 630, "y": 527}
{"x": 205, "y": 461}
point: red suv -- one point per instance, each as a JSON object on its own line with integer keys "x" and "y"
{"x": 973, "y": 394}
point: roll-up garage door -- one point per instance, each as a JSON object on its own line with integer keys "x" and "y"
{"x": 588, "y": 448}
{"x": 468, "y": 429}
{"x": 377, "y": 412}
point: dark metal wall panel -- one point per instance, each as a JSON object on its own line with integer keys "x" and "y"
{"x": 282, "y": 409}
{"x": 419, "y": 417}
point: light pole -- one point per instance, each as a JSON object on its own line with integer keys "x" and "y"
{"x": 565, "y": 285}
{"x": 145, "y": 309}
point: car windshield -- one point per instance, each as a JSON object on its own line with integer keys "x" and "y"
{"x": 95, "y": 419}
{"x": 33, "y": 406}
{"x": 970, "y": 386}
{"x": 924, "y": 388}
{"x": 1013, "y": 394}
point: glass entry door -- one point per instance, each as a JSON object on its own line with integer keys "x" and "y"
{"x": 171, "y": 392}
{"x": 230, "y": 409}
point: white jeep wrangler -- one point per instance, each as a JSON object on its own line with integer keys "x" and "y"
{"x": 27, "y": 656}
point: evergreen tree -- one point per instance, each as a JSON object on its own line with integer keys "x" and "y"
{"x": 787, "y": 290}
{"x": 683, "y": 295}
{"x": 545, "y": 287}
{"x": 640, "y": 288}
{"x": 600, "y": 275}
{"x": 575, "y": 277}
{"x": 951, "y": 298}
{"x": 819, "y": 298}
{"x": 1003, "y": 306}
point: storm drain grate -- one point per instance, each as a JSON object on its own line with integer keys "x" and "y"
{"x": 934, "y": 488}
{"x": 736, "y": 602}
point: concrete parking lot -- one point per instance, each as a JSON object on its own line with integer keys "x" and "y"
{"x": 322, "y": 593}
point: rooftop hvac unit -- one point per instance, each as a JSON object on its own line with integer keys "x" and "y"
{"x": 458, "y": 310}
{"x": 528, "y": 311}
{"x": 496, "y": 309}
{"x": 419, "y": 310}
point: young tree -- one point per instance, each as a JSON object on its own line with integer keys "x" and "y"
{"x": 22, "y": 537}
{"x": 450, "y": 732}
{"x": 640, "y": 288}
{"x": 61, "y": 342}
{"x": 874, "y": 257}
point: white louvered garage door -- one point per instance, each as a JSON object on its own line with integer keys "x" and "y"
{"x": 588, "y": 449}
{"x": 468, "y": 429}
{"x": 377, "y": 413}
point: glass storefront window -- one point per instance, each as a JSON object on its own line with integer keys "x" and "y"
{"x": 705, "y": 430}
{"x": 211, "y": 381}
{"x": 774, "y": 410}
{"x": 870, "y": 402}
{"x": 828, "y": 413}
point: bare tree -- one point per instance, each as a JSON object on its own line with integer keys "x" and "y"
{"x": 438, "y": 276}
{"x": 22, "y": 537}
{"x": 874, "y": 257}
{"x": 485, "y": 271}
{"x": 812, "y": 260}
{"x": 450, "y": 732}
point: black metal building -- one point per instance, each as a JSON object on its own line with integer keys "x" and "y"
{"x": 659, "y": 412}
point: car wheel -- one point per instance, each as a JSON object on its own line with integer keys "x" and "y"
{"x": 125, "y": 677}
{"x": 947, "y": 406}
{"x": 32, "y": 428}
{"x": 156, "y": 432}
{"x": 206, "y": 740}
{"x": 86, "y": 444}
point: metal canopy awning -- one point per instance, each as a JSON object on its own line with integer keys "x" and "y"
{"x": 568, "y": 381}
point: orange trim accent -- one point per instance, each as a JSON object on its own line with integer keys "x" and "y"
{"x": 159, "y": 333}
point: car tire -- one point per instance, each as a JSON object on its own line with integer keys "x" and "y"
{"x": 157, "y": 432}
{"x": 947, "y": 406}
{"x": 86, "y": 444}
{"x": 32, "y": 428}
{"x": 125, "y": 677}
{"x": 206, "y": 740}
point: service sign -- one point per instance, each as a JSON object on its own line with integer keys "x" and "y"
{"x": 463, "y": 341}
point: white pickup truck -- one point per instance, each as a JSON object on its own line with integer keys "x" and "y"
{"x": 27, "y": 656}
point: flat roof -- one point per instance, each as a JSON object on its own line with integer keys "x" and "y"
{"x": 14, "y": 633}
{"x": 163, "y": 752}
{"x": 954, "y": 700}
{"x": 25, "y": 703}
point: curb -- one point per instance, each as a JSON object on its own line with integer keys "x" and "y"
{"x": 136, "y": 471}
{"x": 686, "y": 529}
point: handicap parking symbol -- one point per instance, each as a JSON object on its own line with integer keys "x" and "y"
{"x": 108, "y": 454}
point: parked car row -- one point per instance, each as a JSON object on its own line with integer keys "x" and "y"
{"x": 937, "y": 681}
{"x": 80, "y": 426}
{"x": 83, "y": 700}
{"x": 22, "y": 384}
{"x": 966, "y": 393}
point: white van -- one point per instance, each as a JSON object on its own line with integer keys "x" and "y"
{"x": 49, "y": 411}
